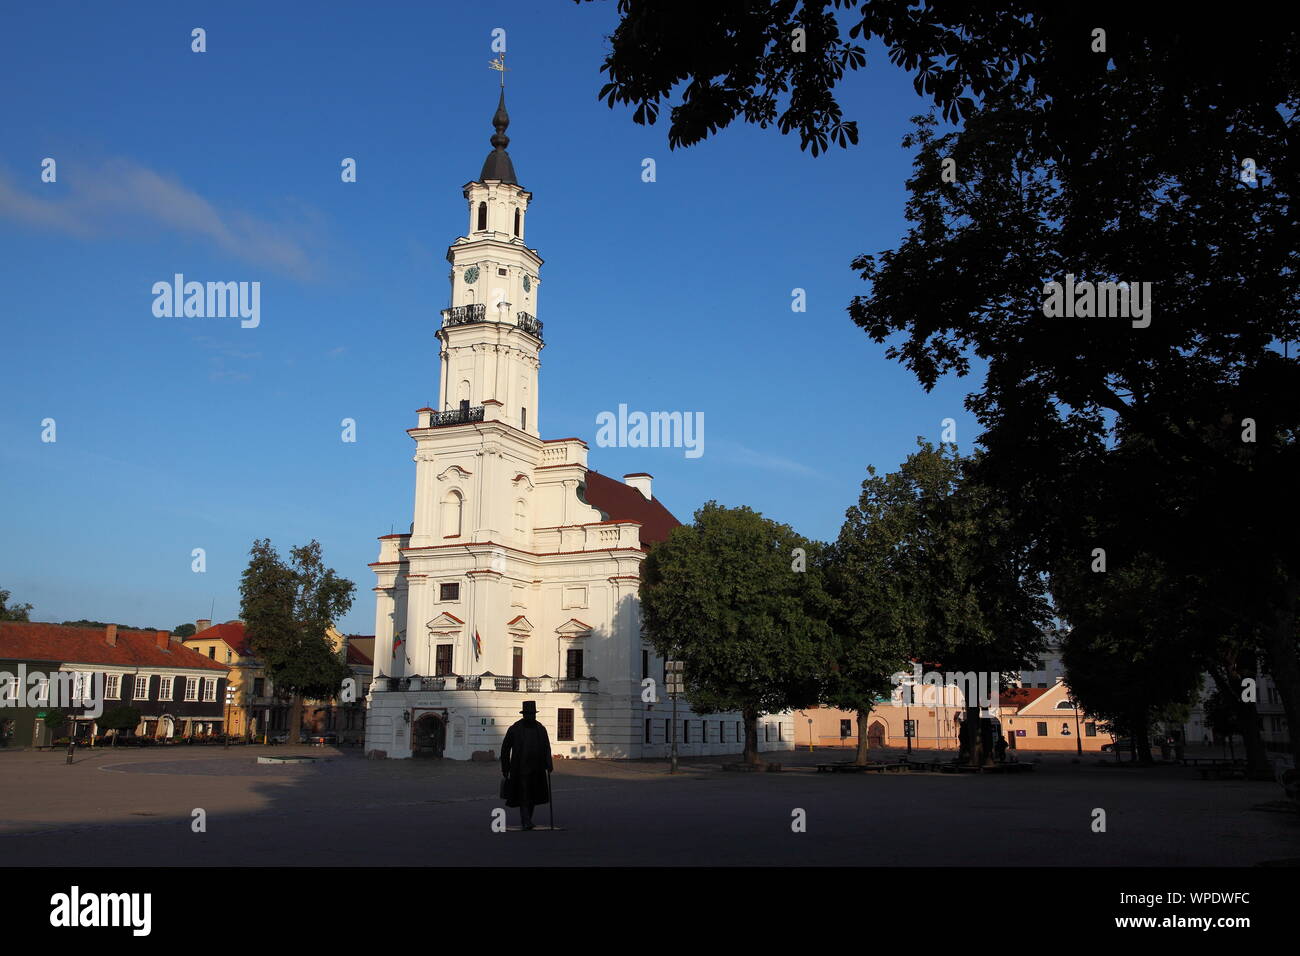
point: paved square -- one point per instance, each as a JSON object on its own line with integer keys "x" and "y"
{"x": 133, "y": 807}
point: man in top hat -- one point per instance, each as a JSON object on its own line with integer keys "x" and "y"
{"x": 525, "y": 760}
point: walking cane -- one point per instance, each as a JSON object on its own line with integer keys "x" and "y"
{"x": 551, "y": 791}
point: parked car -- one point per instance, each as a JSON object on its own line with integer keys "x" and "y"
{"x": 326, "y": 737}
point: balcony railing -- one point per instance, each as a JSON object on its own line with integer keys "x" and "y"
{"x": 471, "y": 314}
{"x": 456, "y": 416}
{"x": 529, "y": 324}
{"x": 464, "y": 315}
{"x": 487, "y": 682}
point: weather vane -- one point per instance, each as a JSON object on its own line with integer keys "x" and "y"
{"x": 499, "y": 64}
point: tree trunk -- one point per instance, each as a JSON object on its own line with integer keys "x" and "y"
{"x": 750, "y": 718}
{"x": 1247, "y": 717}
{"x": 1142, "y": 738}
{"x": 976, "y": 740}
{"x": 1284, "y": 667}
{"x": 295, "y": 718}
{"x": 862, "y": 757}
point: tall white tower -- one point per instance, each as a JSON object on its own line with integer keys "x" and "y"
{"x": 491, "y": 338}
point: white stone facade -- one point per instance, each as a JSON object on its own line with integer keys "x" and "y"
{"x": 510, "y": 586}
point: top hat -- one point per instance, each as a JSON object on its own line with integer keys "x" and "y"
{"x": 530, "y": 707}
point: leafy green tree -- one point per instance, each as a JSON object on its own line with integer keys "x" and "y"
{"x": 18, "y": 612}
{"x": 959, "y": 590}
{"x": 1121, "y": 661}
{"x": 1225, "y": 716}
{"x": 1203, "y": 389}
{"x": 287, "y": 609}
{"x": 1162, "y": 154}
{"x": 870, "y": 642}
{"x": 724, "y": 596}
{"x": 119, "y": 719}
{"x": 1161, "y": 620}
{"x": 184, "y": 630}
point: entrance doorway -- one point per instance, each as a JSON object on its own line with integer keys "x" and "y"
{"x": 876, "y": 734}
{"x": 429, "y": 736}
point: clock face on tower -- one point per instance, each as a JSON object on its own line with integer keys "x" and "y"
{"x": 528, "y": 284}
{"x": 471, "y": 275}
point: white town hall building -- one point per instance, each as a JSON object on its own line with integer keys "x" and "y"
{"x": 519, "y": 579}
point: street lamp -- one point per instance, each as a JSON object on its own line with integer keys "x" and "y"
{"x": 909, "y": 683}
{"x": 225, "y": 726}
{"x": 810, "y": 735}
{"x": 673, "y": 680}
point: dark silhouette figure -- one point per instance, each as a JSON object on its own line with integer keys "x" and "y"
{"x": 525, "y": 761}
{"x": 1000, "y": 750}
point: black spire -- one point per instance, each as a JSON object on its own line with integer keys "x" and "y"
{"x": 498, "y": 165}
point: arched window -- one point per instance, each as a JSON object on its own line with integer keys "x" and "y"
{"x": 453, "y": 509}
{"x": 521, "y": 516}
{"x": 482, "y": 215}
{"x": 516, "y": 222}
{"x": 1064, "y": 705}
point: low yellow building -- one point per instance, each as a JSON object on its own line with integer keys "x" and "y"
{"x": 1034, "y": 718}
{"x": 1031, "y": 718}
{"x": 254, "y": 709}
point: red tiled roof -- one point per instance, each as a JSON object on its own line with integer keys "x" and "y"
{"x": 624, "y": 503}
{"x": 231, "y": 633}
{"x": 357, "y": 656}
{"x": 1017, "y": 697}
{"x": 87, "y": 645}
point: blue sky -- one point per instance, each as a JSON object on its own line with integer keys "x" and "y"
{"x": 181, "y": 433}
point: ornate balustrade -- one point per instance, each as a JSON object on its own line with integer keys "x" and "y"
{"x": 456, "y": 416}
{"x": 464, "y": 315}
{"x": 529, "y": 324}
{"x": 472, "y": 314}
{"x": 485, "y": 683}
